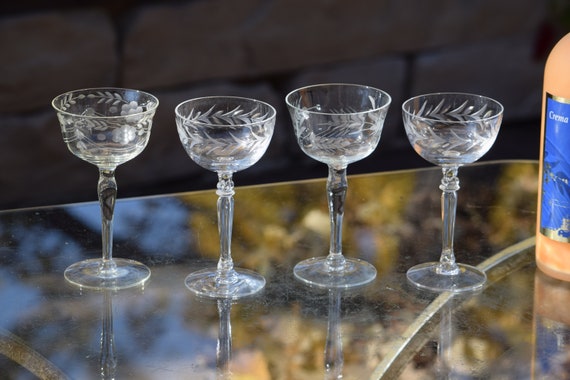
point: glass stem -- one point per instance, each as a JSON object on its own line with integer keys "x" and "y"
{"x": 449, "y": 186}
{"x": 336, "y": 193}
{"x": 107, "y": 191}
{"x": 225, "y": 272}
{"x": 334, "y": 357}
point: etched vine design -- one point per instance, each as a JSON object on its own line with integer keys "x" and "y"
{"x": 108, "y": 97}
{"x": 124, "y": 121}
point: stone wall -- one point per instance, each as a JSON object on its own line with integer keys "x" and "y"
{"x": 256, "y": 48}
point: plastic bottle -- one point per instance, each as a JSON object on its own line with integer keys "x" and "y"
{"x": 553, "y": 220}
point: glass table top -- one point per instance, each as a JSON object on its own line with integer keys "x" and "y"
{"x": 513, "y": 328}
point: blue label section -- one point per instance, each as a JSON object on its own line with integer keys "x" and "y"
{"x": 555, "y": 212}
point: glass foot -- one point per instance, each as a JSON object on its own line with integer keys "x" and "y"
{"x": 316, "y": 272}
{"x": 428, "y": 276}
{"x": 90, "y": 274}
{"x": 243, "y": 283}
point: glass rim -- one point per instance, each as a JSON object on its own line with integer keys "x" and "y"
{"x": 272, "y": 113}
{"x": 153, "y": 107}
{"x": 466, "y": 95}
{"x": 338, "y": 84}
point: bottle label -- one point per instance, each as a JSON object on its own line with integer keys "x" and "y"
{"x": 555, "y": 206}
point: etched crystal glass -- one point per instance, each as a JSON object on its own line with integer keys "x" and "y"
{"x": 450, "y": 130}
{"x": 106, "y": 127}
{"x": 337, "y": 124}
{"x": 225, "y": 134}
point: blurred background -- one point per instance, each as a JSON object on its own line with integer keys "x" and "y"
{"x": 261, "y": 49}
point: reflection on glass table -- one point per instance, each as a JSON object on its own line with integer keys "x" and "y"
{"x": 388, "y": 328}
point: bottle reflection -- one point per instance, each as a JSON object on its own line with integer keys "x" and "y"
{"x": 108, "y": 358}
{"x": 551, "y": 335}
{"x": 334, "y": 357}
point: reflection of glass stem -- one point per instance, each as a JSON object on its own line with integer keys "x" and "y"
{"x": 108, "y": 359}
{"x": 336, "y": 192}
{"x": 226, "y": 274}
{"x": 334, "y": 358}
{"x": 224, "y": 347}
{"x": 107, "y": 191}
{"x": 445, "y": 341}
{"x": 449, "y": 186}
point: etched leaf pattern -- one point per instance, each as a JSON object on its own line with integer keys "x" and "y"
{"x": 221, "y": 133}
{"x": 442, "y": 132}
{"x": 105, "y": 127}
{"x": 102, "y": 97}
{"x": 339, "y": 134}
{"x": 91, "y": 127}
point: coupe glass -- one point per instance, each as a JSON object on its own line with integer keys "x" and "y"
{"x": 225, "y": 134}
{"x": 106, "y": 127}
{"x": 337, "y": 124}
{"x": 450, "y": 130}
